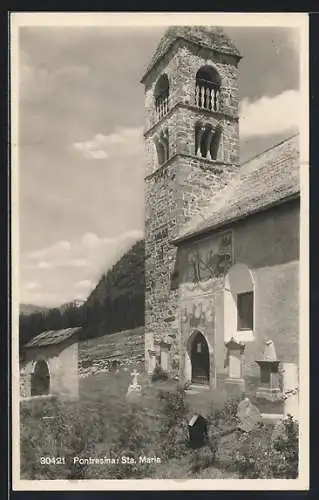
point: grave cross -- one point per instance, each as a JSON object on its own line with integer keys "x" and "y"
{"x": 134, "y": 374}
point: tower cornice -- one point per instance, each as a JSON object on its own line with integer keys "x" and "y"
{"x": 216, "y": 166}
{"x": 191, "y": 107}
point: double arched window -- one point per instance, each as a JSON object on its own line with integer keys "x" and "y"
{"x": 207, "y": 88}
{"x": 207, "y": 140}
{"x": 162, "y": 146}
{"x": 161, "y": 95}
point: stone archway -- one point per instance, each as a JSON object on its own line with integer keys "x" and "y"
{"x": 199, "y": 359}
{"x": 40, "y": 379}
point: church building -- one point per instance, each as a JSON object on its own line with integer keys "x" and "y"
{"x": 222, "y": 238}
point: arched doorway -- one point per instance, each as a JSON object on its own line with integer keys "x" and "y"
{"x": 199, "y": 356}
{"x": 40, "y": 381}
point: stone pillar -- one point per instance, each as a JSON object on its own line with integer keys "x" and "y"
{"x": 290, "y": 389}
{"x": 151, "y": 361}
{"x": 235, "y": 357}
{"x": 165, "y": 356}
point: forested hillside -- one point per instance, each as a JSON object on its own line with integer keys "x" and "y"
{"x": 117, "y": 303}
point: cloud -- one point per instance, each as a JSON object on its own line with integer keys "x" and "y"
{"x": 43, "y": 264}
{"x": 31, "y": 286}
{"x": 270, "y": 115}
{"x": 78, "y": 263}
{"x": 90, "y": 240}
{"x": 72, "y": 269}
{"x": 124, "y": 140}
{"x": 55, "y": 249}
{"x": 84, "y": 284}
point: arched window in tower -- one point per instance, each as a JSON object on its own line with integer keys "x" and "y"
{"x": 161, "y": 95}
{"x": 162, "y": 146}
{"x": 215, "y": 142}
{"x": 207, "y": 140}
{"x": 207, "y": 88}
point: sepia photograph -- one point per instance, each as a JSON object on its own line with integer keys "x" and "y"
{"x": 159, "y": 183}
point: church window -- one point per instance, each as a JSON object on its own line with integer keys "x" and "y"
{"x": 215, "y": 142}
{"x": 245, "y": 311}
{"x": 207, "y": 140}
{"x": 239, "y": 303}
{"x": 207, "y": 88}
{"x": 161, "y": 95}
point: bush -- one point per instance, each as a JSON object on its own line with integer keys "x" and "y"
{"x": 201, "y": 459}
{"x": 287, "y": 444}
{"x": 263, "y": 455}
{"x": 225, "y": 416}
{"x": 218, "y": 421}
{"x": 159, "y": 374}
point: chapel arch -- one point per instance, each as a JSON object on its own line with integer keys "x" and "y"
{"x": 40, "y": 378}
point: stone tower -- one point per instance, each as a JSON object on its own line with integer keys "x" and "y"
{"x": 192, "y": 146}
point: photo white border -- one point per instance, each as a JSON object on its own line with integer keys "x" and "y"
{"x": 296, "y": 20}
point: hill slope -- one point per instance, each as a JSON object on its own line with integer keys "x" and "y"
{"x": 27, "y": 309}
{"x": 117, "y": 302}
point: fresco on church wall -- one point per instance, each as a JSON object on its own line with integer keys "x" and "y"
{"x": 197, "y": 313}
{"x": 205, "y": 262}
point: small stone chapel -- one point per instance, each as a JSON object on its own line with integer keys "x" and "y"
{"x": 49, "y": 365}
{"x": 222, "y": 238}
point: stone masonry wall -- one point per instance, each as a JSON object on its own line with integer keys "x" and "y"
{"x": 179, "y": 189}
{"x": 181, "y": 64}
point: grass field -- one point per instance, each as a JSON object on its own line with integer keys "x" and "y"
{"x": 104, "y": 422}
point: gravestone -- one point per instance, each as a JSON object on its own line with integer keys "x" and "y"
{"x": 235, "y": 358}
{"x": 198, "y": 431}
{"x": 134, "y": 388}
{"x": 248, "y": 415}
{"x": 269, "y": 374}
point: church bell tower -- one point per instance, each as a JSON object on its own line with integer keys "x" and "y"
{"x": 192, "y": 147}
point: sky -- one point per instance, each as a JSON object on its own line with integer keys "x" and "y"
{"x": 81, "y": 151}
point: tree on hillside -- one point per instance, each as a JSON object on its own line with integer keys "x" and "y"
{"x": 117, "y": 303}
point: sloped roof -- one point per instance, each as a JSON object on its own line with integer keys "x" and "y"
{"x": 267, "y": 179}
{"x": 211, "y": 37}
{"x": 50, "y": 337}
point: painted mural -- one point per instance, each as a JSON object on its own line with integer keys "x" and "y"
{"x": 198, "y": 312}
{"x": 206, "y": 261}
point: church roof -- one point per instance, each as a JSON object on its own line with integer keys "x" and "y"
{"x": 268, "y": 179}
{"x": 211, "y": 37}
{"x": 50, "y": 337}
